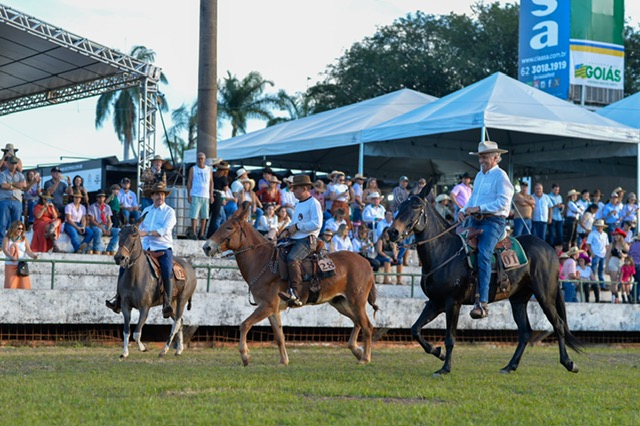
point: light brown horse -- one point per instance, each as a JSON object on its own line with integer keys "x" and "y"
{"x": 348, "y": 290}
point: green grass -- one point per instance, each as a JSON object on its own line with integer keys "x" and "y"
{"x": 322, "y": 385}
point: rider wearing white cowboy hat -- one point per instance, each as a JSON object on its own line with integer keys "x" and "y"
{"x": 490, "y": 200}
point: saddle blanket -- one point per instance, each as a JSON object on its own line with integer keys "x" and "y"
{"x": 510, "y": 251}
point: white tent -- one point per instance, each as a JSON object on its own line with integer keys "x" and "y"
{"x": 542, "y": 133}
{"x": 335, "y": 132}
{"x": 625, "y": 111}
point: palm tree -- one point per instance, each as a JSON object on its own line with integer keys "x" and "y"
{"x": 123, "y": 105}
{"x": 184, "y": 119}
{"x": 296, "y": 106}
{"x": 240, "y": 101}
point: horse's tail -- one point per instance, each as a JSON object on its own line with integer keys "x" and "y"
{"x": 572, "y": 341}
{"x": 373, "y": 295}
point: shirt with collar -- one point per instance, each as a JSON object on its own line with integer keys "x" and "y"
{"x": 557, "y": 211}
{"x": 541, "y": 209}
{"x": 492, "y": 192}
{"x": 8, "y": 177}
{"x": 307, "y": 217}
{"x": 161, "y": 219}
{"x": 127, "y": 199}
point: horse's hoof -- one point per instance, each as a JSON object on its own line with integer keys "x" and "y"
{"x": 574, "y": 368}
{"x": 506, "y": 371}
{"x": 162, "y": 354}
{"x": 246, "y": 360}
{"x": 123, "y": 356}
{"x": 358, "y": 353}
{"x": 363, "y": 362}
{"x": 178, "y": 354}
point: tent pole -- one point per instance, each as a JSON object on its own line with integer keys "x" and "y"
{"x": 361, "y": 159}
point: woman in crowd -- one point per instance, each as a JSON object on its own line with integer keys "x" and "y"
{"x": 618, "y": 250}
{"x": 31, "y": 194}
{"x": 585, "y": 224}
{"x": 586, "y": 274}
{"x": 270, "y": 194}
{"x": 341, "y": 240}
{"x": 387, "y": 255}
{"x": 77, "y": 185}
{"x": 16, "y": 247}
{"x": 76, "y": 225}
{"x": 46, "y": 225}
{"x": 283, "y": 219}
{"x": 363, "y": 245}
{"x": 268, "y": 223}
{"x": 247, "y": 194}
{"x": 326, "y": 237}
{"x": 317, "y": 192}
{"x": 370, "y": 188}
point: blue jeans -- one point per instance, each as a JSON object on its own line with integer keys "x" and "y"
{"x": 166, "y": 264}
{"x": 75, "y": 237}
{"x": 539, "y": 229}
{"x": 230, "y": 208}
{"x": 130, "y": 216}
{"x": 492, "y": 229}
{"x": 97, "y": 239}
{"x": 597, "y": 267}
{"x": 30, "y": 205}
{"x": 519, "y": 227}
{"x": 555, "y": 232}
{"x": 10, "y": 211}
{"x": 569, "y": 292}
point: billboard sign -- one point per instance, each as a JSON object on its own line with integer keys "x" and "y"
{"x": 544, "y": 45}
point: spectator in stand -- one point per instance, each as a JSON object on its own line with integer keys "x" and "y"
{"x": 150, "y": 176}
{"x": 634, "y": 253}
{"x": 230, "y": 202}
{"x": 598, "y": 247}
{"x": 339, "y": 218}
{"x": 288, "y": 198}
{"x": 327, "y": 240}
{"x": 627, "y": 272}
{"x": 374, "y": 211}
{"x": 317, "y": 192}
{"x": 341, "y": 241}
{"x": 338, "y": 193}
{"x": 247, "y": 194}
{"x": 612, "y": 214}
{"x": 372, "y": 186}
{"x": 417, "y": 188}
{"x": 461, "y": 193}
{"x": 77, "y": 185}
{"x": 555, "y": 236}
{"x": 618, "y": 250}
{"x": 630, "y": 209}
{"x": 628, "y": 227}
{"x": 400, "y": 193}
{"x": 57, "y": 188}
{"x": 99, "y": 218}
{"x": 31, "y": 195}
{"x": 9, "y": 151}
{"x": 283, "y": 219}
{"x": 267, "y": 174}
{"x": 12, "y": 185}
{"x": 363, "y": 245}
{"x": 128, "y": 202}
{"x": 114, "y": 203}
{"x": 573, "y": 212}
{"x": 387, "y": 255}
{"x": 586, "y": 274}
{"x": 358, "y": 200}
{"x": 570, "y": 272}
{"x": 76, "y": 226}
{"x": 596, "y": 198}
{"x": 271, "y": 193}
{"x": 16, "y": 247}
{"x": 541, "y": 216}
{"x": 585, "y": 225}
{"x": 199, "y": 196}
{"x": 220, "y": 181}
{"x": 524, "y": 204}
{"x": 442, "y": 207}
{"x": 585, "y": 200}
{"x": 236, "y": 185}
{"x": 46, "y": 225}
{"x": 384, "y": 223}
{"x": 268, "y": 223}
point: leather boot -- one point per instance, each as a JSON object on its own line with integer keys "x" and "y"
{"x": 114, "y": 304}
{"x": 295, "y": 279}
{"x": 479, "y": 310}
{"x": 167, "y": 310}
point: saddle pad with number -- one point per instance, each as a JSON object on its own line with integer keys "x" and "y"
{"x": 510, "y": 251}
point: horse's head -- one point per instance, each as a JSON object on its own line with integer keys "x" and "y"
{"x": 128, "y": 238}
{"x": 229, "y": 234}
{"x": 411, "y": 217}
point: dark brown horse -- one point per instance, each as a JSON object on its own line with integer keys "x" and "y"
{"x": 446, "y": 282}
{"x": 348, "y": 290}
{"x": 138, "y": 288}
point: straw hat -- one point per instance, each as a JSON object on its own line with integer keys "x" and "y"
{"x": 336, "y": 173}
{"x": 9, "y": 147}
{"x": 157, "y": 187}
{"x": 327, "y": 232}
{"x": 442, "y": 197}
{"x": 359, "y": 176}
{"x": 251, "y": 181}
{"x": 45, "y": 195}
{"x": 572, "y": 192}
{"x": 274, "y": 179}
{"x": 374, "y": 194}
{"x": 574, "y": 250}
{"x": 319, "y": 186}
{"x": 156, "y": 158}
{"x": 77, "y": 194}
{"x": 241, "y": 171}
{"x": 599, "y": 223}
{"x": 487, "y": 147}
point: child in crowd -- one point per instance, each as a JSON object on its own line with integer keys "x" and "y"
{"x": 586, "y": 274}
{"x": 627, "y": 272}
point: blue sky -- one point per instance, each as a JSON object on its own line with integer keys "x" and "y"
{"x": 288, "y": 41}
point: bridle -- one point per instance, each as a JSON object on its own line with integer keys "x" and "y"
{"x": 421, "y": 218}
{"x": 248, "y": 248}
{"x": 129, "y": 250}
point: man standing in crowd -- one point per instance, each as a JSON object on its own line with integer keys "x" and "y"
{"x": 557, "y": 222}
{"x": 57, "y": 187}
{"x": 461, "y": 193}
{"x": 12, "y": 183}
{"x": 524, "y": 205}
{"x": 199, "y": 195}
{"x": 400, "y": 193}
{"x": 541, "y": 215}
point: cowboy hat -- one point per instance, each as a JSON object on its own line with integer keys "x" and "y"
{"x": 631, "y": 196}
{"x": 9, "y": 147}
{"x": 336, "y": 173}
{"x": 45, "y": 195}
{"x": 572, "y": 192}
{"x": 319, "y": 185}
{"x": 374, "y": 194}
{"x": 251, "y": 181}
{"x": 77, "y": 194}
{"x": 241, "y": 171}
{"x": 327, "y": 232}
{"x": 599, "y": 223}
{"x": 301, "y": 180}
{"x": 101, "y": 193}
{"x": 403, "y": 178}
{"x": 619, "y": 231}
{"x": 359, "y": 176}
{"x": 442, "y": 197}
{"x": 614, "y": 194}
{"x": 221, "y": 165}
{"x": 274, "y": 179}
{"x": 487, "y": 147}
{"x": 157, "y": 157}
{"x": 574, "y": 250}
{"x": 618, "y": 189}
{"x": 564, "y": 256}
{"x": 157, "y": 187}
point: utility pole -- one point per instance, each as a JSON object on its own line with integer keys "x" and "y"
{"x": 208, "y": 79}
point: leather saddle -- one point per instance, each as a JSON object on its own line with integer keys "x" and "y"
{"x": 178, "y": 271}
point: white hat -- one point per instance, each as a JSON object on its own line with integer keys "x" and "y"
{"x": 486, "y": 147}
{"x": 241, "y": 171}
{"x": 442, "y": 197}
{"x": 572, "y": 193}
{"x": 374, "y": 194}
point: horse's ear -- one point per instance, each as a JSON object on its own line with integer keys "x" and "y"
{"x": 141, "y": 219}
{"x": 244, "y": 211}
{"x": 426, "y": 191}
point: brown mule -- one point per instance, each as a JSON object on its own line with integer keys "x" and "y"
{"x": 348, "y": 290}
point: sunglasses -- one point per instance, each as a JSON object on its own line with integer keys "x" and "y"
{"x": 20, "y": 229}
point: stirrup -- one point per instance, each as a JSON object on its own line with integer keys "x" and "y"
{"x": 290, "y": 297}
{"x": 167, "y": 311}
{"x": 113, "y": 305}
{"x": 479, "y": 310}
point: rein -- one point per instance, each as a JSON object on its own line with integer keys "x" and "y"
{"x": 436, "y": 237}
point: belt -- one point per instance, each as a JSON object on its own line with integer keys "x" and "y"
{"x": 482, "y": 215}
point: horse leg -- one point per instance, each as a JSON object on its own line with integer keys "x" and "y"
{"x": 452, "y": 313}
{"x": 258, "y": 315}
{"x": 360, "y": 353}
{"x": 175, "y": 329}
{"x": 278, "y": 335}
{"x": 180, "y": 340}
{"x": 137, "y": 335}
{"x": 126, "y": 313}
{"x": 428, "y": 314}
{"x": 519, "y": 311}
{"x": 560, "y": 327}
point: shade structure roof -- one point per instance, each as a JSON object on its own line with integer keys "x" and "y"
{"x": 625, "y": 111}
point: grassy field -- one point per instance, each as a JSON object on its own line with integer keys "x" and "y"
{"x": 322, "y": 386}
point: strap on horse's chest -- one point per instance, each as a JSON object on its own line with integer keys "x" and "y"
{"x": 178, "y": 271}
